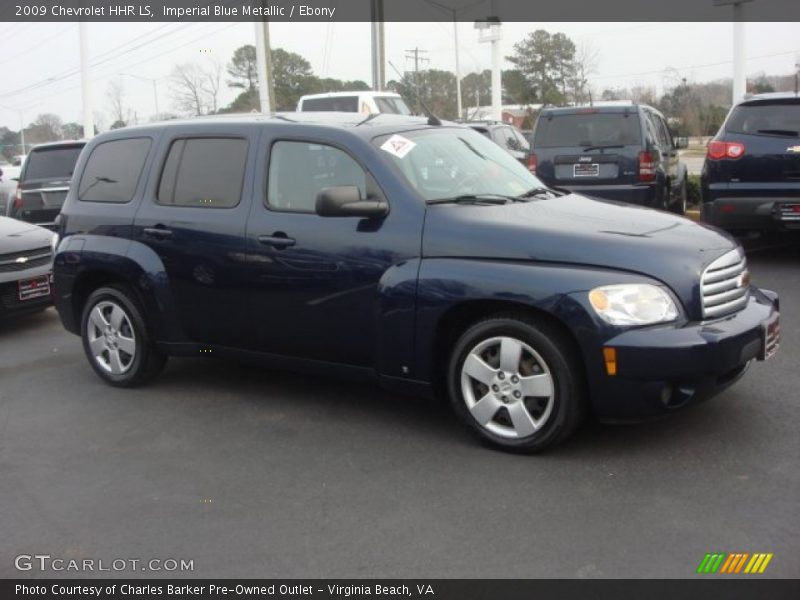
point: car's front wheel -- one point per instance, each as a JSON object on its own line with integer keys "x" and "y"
{"x": 115, "y": 339}
{"x": 517, "y": 383}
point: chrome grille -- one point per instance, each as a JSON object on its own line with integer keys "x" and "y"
{"x": 725, "y": 284}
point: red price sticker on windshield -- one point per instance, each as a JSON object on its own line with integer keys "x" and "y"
{"x": 398, "y": 146}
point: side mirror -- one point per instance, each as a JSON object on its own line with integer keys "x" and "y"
{"x": 345, "y": 201}
{"x": 681, "y": 143}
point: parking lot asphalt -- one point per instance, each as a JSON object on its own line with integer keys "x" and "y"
{"x": 256, "y": 473}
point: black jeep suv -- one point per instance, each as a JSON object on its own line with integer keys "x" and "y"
{"x": 617, "y": 151}
{"x": 751, "y": 176}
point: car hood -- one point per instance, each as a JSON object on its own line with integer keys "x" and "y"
{"x": 16, "y": 236}
{"x": 576, "y": 230}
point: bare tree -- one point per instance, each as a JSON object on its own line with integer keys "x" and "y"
{"x": 212, "y": 81}
{"x": 585, "y": 65}
{"x": 188, "y": 83}
{"x": 120, "y": 115}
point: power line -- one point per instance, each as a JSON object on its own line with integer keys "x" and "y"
{"x": 38, "y": 45}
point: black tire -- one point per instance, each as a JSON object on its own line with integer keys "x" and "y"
{"x": 679, "y": 207}
{"x": 145, "y": 362}
{"x": 561, "y": 362}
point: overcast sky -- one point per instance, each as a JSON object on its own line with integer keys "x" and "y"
{"x": 627, "y": 54}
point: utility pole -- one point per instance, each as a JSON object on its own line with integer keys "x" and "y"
{"x": 86, "y": 84}
{"x": 264, "y": 66}
{"x": 739, "y": 75}
{"x": 454, "y": 13}
{"x": 151, "y": 80}
{"x": 378, "y": 48}
{"x": 492, "y": 26}
{"x": 414, "y": 54}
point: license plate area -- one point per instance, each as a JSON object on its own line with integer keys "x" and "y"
{"x": 586, "y": 170}
{"x": 37, "y": 287}
{"x": 771, "y": 336}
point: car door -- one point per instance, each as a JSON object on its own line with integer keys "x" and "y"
{"x": 318, "y": 284}
{"x": 193, "y": 217}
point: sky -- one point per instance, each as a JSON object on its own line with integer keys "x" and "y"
{"x": 39, "y": 61}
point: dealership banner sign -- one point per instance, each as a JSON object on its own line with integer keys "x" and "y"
{"x": 396, "y": 11}
{"x": 438, "y": 589}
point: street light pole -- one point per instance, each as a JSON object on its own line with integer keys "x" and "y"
{"x": 150, "y": 79}
{"x": 458, "y": 68}
{"x": 86, "y": 84}
{"x": 739, "y": 74}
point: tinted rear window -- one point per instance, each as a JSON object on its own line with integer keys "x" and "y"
{"x": 204, "y": 172}
{"x": 56, "y": 163}
{"x": 590, "y": 129}
{"x": 779, "y": 118}
{"x": 113, "y": 170}
{"x": 338, "y": 103}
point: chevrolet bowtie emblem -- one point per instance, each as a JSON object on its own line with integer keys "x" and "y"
{"x": 22, "y": 260}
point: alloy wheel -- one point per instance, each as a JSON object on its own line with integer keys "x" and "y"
{"x": 112, "y": 340}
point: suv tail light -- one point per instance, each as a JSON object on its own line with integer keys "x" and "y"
{"x": 647, "y": 166}
{"x": 718, "y": 150}
{"x": 18, "y": 198}
{"x": 533, "y": 162}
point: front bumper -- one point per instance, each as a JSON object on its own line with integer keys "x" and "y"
{"x": 10, "y": 303}
{"x": 663, "y": 369}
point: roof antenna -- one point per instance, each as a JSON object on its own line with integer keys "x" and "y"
{"x": 432, "y": 118}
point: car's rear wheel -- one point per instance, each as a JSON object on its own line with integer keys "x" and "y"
{"x": 517, "y": 383}
{"x": 115, "y": 338}
{"x": 679, "y": 207}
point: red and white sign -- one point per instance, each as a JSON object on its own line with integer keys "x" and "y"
{"x": 398, "y": 146}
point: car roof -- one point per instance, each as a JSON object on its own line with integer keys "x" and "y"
{"x": 364, "y": 126}
{"x": 769, "y": 97}
{"x": 353, "y": 93}
{"x": 599, "y": 107}
{"x": 49, "y": 145}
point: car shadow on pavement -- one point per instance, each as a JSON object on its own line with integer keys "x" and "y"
{"x": 18, "y": 324}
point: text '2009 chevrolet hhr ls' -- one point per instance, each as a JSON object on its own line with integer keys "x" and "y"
{"x": 403, "y": 250}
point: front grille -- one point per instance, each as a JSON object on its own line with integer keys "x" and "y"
{"x": 27, "y": 259}
{"x": 725, "y": 284}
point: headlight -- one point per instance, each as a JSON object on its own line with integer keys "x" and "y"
{"x": 54, "y": 242}
{"x": 633, "y": 304}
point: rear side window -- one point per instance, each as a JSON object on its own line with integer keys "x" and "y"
{"x": 113, "y": 170}
{"x": 204, "y": 172}
{"x": 590, "y": 129}
{"x": 335, "y": 103}
{"x": 766, "y": 119}
{"x": 299, "y": 170}
{"x": 55, "y": 163}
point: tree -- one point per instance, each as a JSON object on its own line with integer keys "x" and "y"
{"x": 116, "y": 96}
{"x": 72, "y": 131}
{"x": 476, "y": 89}
{"x": 585, "y": 64}
{"x": 243, "y": 68}
{"x": 515, "y": 87}
{"x": 46, "y": 128}
{"x": 195, "y": 87}
{"x": 292, "y": 77}
{"x": 432, "y": 86}
{"x": 548, "y": 64}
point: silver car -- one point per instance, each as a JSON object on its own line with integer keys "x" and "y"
{"x": 26, "y": 257}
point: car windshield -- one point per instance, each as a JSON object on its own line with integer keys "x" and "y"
{"x": 587, "y": 129}
{"x": 52, "y": 163}
{"x": 447, "y": 162}
{"x": 778, "y": 118}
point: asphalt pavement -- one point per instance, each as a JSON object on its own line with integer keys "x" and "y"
{"x": 256, "y": 473}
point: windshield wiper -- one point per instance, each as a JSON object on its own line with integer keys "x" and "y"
{"x": 784, "y": 132}
{"x": 603, "y": 147}
{"x": 539, "y": 191}
{"x": 475, "y": 198}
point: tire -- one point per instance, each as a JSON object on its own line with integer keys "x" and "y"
{"x": 679, "y": 207}
{"x": 115, "y": 338}
{"x": 535, "y": 401}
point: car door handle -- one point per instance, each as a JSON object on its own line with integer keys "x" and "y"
{"x": 159, "y": 233}
{"x": 277, "y": 240}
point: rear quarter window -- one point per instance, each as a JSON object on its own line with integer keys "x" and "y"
{"x": 113, "y": 170}
{"x": 52, "y": 163}
{"x": 587, "y": 129}
{"x": 204, "y": 172}
{"x": 778, "y": 118}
